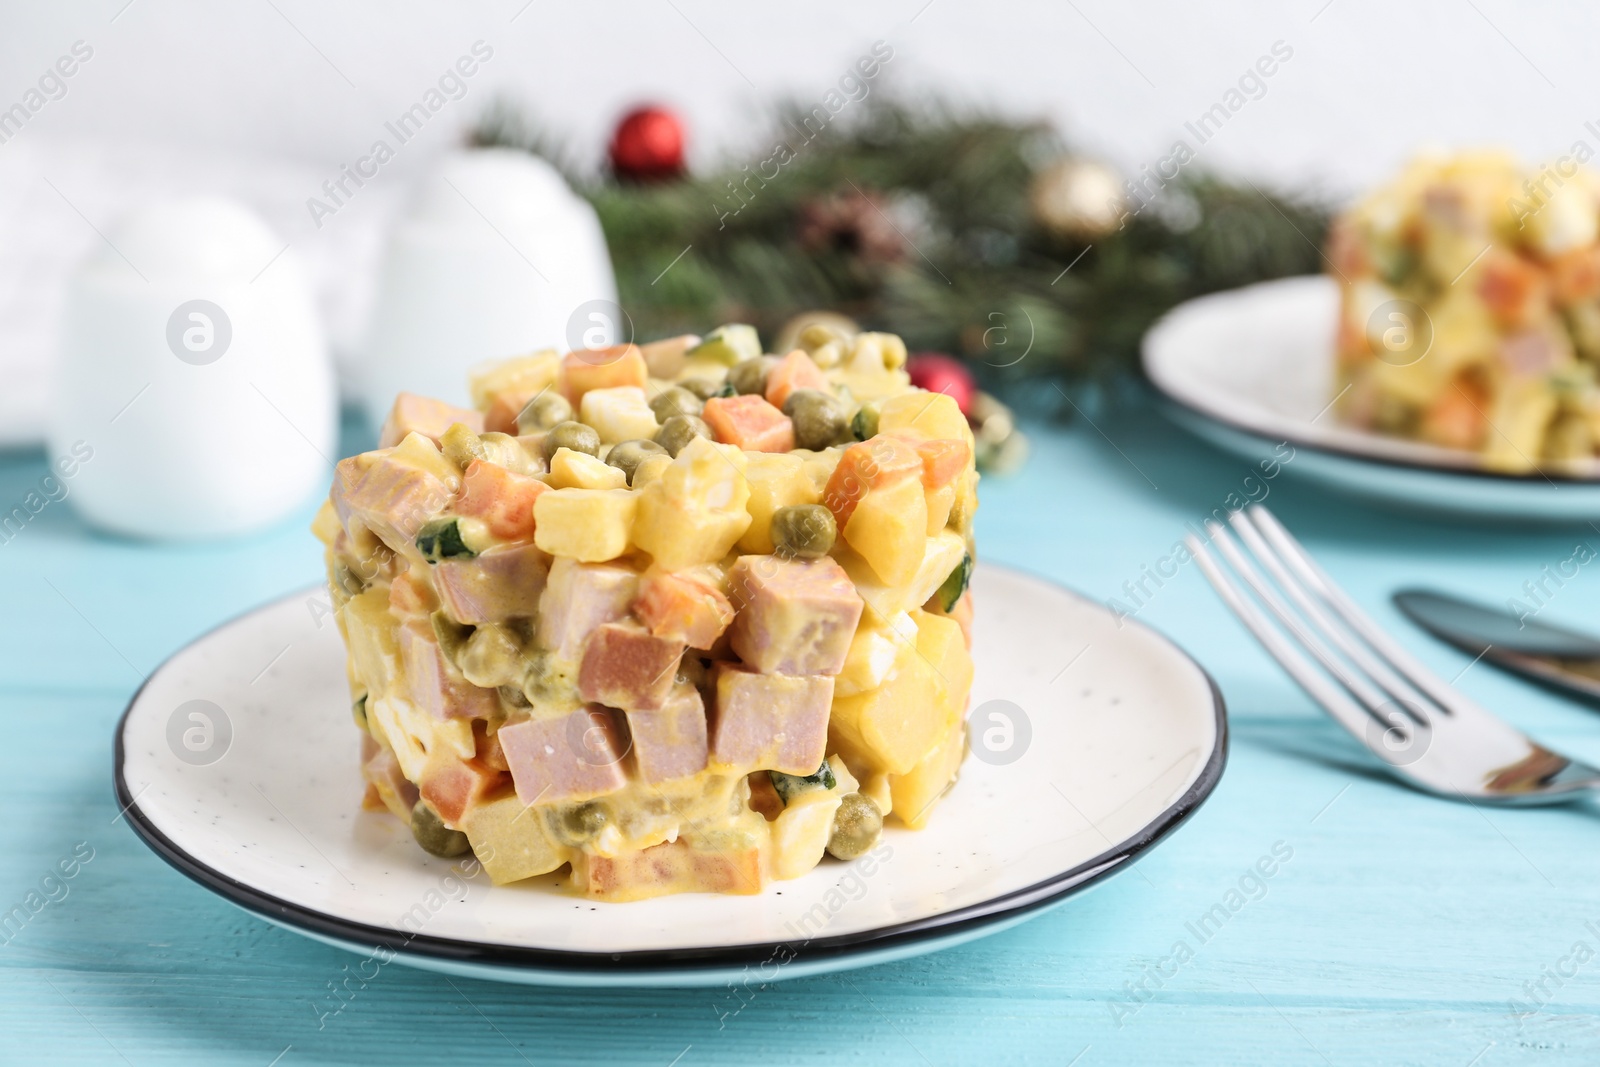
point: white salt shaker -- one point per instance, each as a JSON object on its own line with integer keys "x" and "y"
{"x": 496, "y": 256}
{"x": 193, "y": 396}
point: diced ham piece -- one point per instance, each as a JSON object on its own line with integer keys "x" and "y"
{"x": 671, "y": 867}
{"x": 578, "y": 598}
{"x": 506, "y": 582}
{"x": 429, "y": 417}
{"x": 566, "y": 757}
{"x": 682, "y": 609}
{"x": 392, "y": 498}
{"x": 504, "y": 407}
{"x": 626, "y": 666}
{"x": 750, "y": 423}
{"x": 455, "y": 785}
{"x": 794, "y": 371}
{"x": 795, "y": 616}
{"x": 770, "y": 721}
{"x": 670, "y": 742}
{"x": 602, "y": 368}
{"x": 433, "y": 684}
{"x": 500, "y": 498}
{"x": 382, "y": 771}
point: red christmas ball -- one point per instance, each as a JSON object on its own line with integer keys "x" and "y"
{"x": 939, "y": 373}
{"x": 648, "y": 145}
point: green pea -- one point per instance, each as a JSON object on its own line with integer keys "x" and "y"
{"x": 573, "y": 435}
{"x": 461, "y": 446}
{"x": 865, "y": 424}
{"x": 491, "y": 657}
{"x": 750, "y": 377}
{"x": 676, "y": 433}
{"x": 820, "y": 419}
{"x": 856, "y": 826}
{"x": 543, "y": 412}
{"x": 579, "y": 824}
{"x": 705, "y": 388}
{"x": 806, "y": 531}
{"x": 433, "y": 835}
{"x": 675, "y": 401}
{"x": 627, "y": 456}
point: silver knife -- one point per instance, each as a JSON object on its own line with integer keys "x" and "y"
{"x": 1551, "y": 655}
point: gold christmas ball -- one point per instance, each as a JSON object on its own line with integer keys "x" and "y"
{"x": 1078, "y": 198}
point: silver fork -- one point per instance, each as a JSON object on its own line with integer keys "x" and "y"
{"x": 1423, "y": 730}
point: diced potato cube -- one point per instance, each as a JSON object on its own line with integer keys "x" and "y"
{"x": 776, "y": 480}
{"x": 522, "y": 374}
{"x": 695, "y": 511}
{"x": 889, "y": 529}
{"x": 591, "y": 525}
{"x": 942, "y": 553}
{"x": 933, "y": 415}
{"x": 940, "y": 641}
{"x": 914, "y": 794}
{"x": 510, "y": 841}
{"x": 894, "y": 726}
{"x": 940, "y": 501}
{"x": 579, "y": 470}
{"x": 665, "y": 358}
{"x": 618, "y": 414}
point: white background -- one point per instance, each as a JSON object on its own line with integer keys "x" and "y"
{"x": 1367, "y": 83}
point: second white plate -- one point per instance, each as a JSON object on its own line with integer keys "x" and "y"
{"x": 1252, "y": 371}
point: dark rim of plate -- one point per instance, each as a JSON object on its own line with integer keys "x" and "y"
{"x": 1005, "y": 908}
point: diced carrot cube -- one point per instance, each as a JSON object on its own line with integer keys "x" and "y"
{"x": 750, "y": 423}
{"x": 500, "y": 498}
{"x": 1513, "y": 289}
{"x": 455, "y": 785}
{"x": 794, "y": 371}
{"x": 681, "y": 609}
{"x": 1456, "y": 419}
{"x": 880, "y": 461}
{"x": 1576, "y": 275}
{"x": 943, "y": 462}
{"x": 602, "y": 368}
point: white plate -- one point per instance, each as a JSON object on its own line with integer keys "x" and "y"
{"x": 1253, "y": 368}
{"x": 1113, "y": 750}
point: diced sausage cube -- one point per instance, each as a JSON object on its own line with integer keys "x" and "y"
{"x": 579, "y": 597}
{"x": 670, "y": 742}
{"x": 454, "y": 785}
{"x": 393, "y": 499}
{"x": 770, "y": 721}
{"x": 683, "y": 609}
{"x": 506, "y": 582}
{"x": 429, "y": 417}
{"x": 795, "y": 616}
{"x": 433, "y": 684}
{"x": 626, "y": 666}
{"x": 571, "y": 756}
{"x": 671, "y": 867}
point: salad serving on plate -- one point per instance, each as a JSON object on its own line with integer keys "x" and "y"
{"x": 681, "y": 617}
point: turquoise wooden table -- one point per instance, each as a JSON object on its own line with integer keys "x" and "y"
{"x": 1399, "y": 929}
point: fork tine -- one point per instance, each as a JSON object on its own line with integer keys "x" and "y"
{"x": 1312, "y": 574}
{"x": 1305, "y": 631}
{"x": 1333, "y": 699}
{"x": 1370, "y": 659}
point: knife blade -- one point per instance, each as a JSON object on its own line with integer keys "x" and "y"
{"x": 1553, "y": 656}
